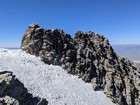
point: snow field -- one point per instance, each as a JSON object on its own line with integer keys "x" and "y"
{"x": 50, "y": 82}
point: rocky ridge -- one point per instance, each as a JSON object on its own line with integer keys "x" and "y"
{"x": 13, "y": 92}
{"x": 89, "y": 56}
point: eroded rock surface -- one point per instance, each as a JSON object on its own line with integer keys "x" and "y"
{"x": 13, "y": 92}
{"x": 88, "y": 55}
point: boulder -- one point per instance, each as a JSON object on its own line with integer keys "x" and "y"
{"x": 13, "y": 92}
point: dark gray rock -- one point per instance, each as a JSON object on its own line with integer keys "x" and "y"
{"x": 13, "y": 92}
{"x": 89, "y": 56}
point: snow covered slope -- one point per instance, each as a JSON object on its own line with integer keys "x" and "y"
{"x": 48, "y": 81}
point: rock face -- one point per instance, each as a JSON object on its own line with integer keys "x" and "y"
{"x": 13, "y": 92}
{"x": 88, "y": 55}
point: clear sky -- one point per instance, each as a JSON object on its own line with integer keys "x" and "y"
{"x": 118, "y": 20}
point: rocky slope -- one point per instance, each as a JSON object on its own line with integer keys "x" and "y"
{"x": 88, "y": 55}
{"x": 13, "y": 92}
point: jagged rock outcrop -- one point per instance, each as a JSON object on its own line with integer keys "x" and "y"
{"x": 13, "y": 92}
{"x": 88, "y": 55}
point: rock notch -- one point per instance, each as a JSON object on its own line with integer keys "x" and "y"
{"x": 89, "y": 56}
{"x": 13, "y": 92}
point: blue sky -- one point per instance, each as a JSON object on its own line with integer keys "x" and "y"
{"x": 118, "y": 20}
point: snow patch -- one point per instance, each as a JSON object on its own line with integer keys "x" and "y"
{"x": 50, "y": 82}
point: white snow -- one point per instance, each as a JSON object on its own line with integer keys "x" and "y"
{"x": 50, "y": 82}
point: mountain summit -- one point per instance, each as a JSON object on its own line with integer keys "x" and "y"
{"x": 90, "y": 57}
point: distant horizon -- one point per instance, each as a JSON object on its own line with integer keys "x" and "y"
{"x": 120, "y": 44}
